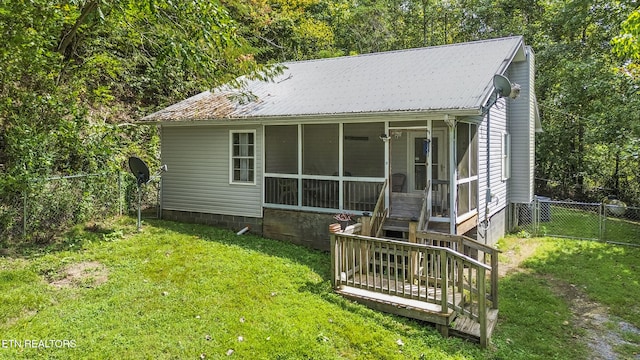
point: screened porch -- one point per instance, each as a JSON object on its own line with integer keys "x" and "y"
{"x": 341, "y": 168}
{"x": 324, "y": 167}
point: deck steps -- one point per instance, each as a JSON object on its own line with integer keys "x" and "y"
{"x": 467, "y": 328}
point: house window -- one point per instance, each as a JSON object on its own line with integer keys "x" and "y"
{"x": 243, "y": 169}
{"x": 506, "y": 151}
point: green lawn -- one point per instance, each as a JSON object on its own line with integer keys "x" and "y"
{"x": 183, "y": 291}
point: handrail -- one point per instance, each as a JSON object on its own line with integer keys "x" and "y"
{"x": 428, "y": 273}
{"x": 379, "y": 212}
{"x": 424, "y": 215}
{"x": 459, "y": 243}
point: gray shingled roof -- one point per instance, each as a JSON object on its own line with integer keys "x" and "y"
{"x": 440, "y": 78}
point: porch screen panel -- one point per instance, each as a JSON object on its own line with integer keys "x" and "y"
{"x": 363, "y": 150}
{"x": 462, "y": 150}
{"x": 281, "y": 149}
{"x": 473, "y": 150}
{"x": 320, "y": 152}
{"x": 467, "y": 166}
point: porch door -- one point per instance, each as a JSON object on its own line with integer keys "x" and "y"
{"x": 417, "y": 162}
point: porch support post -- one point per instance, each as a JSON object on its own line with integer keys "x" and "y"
{"x": 387, "y": 167}
{"x": 453, "y": 173}
{"x": 429, "y": 171}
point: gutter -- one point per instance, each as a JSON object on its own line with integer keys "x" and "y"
{"x": 318, "y": 118}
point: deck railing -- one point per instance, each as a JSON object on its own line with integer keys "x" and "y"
{"x": 433, "y": 274}
{"x": 469, "y": 247}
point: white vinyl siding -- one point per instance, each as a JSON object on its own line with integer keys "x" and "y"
{"x": 498, "y": 126}
{"x": 522, "y": 131}
{"x": 199, "y": 172}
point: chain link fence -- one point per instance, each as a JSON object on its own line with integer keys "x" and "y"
{"x": 614, "y": 223}
{"x": 51, "y": 205}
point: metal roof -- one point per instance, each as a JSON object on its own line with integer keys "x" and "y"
{"x": 439, "y": 78}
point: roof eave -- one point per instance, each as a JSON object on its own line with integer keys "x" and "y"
{"x": 248, "y": 120}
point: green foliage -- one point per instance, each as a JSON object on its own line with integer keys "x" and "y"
{"x": 75, "y": 74}
{"x": 627, "y": 44}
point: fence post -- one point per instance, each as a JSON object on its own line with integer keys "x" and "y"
{"x": 159, "y": 200}
{"x": 119, "y": 193}
{"x": 24, "y": 214}
{"x": 603, "y": 222}
{"x": 535, "y": 217}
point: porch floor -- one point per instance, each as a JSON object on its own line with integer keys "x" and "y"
{"x": 406, "y": 206}
{"x": 399, "y": 287}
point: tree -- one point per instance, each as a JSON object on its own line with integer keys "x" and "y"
{"x": 627, "y": 43}
{"x": 73, "y": 71}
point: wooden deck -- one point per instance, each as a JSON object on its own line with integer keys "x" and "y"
{"x": 397, "y": 286}
{"x": 423, "y": 278}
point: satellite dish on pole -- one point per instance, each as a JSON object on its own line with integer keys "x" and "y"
{"x": 504, "y": 87}
{"x": 140, "y": 171}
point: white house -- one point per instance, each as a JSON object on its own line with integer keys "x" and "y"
{"x": 283, "y": 156}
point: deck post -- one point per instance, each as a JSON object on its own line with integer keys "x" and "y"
{"x": 494, "y": 279}
{"x": 334, "y": 263}
{"x": 414, "y": 271}
{"x": 365, "y": 221}
{"x": 482, "y": 307}
{"x": 443, "y": 329}
{"x": 444, "y": 281}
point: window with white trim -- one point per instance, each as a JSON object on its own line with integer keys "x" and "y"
{"x": 243, "y": 161}
{"x": 506, "y": 154}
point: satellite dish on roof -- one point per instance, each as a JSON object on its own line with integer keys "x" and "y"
{"x": 140, "y": 170}
{"x": 504, "y": 87}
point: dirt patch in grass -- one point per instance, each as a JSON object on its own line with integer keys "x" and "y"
{"x": 591, "y": 322}
{"x": 602, "y": 332}
{"x": 83, "y": 274}
{"x": 511, "y": 259}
